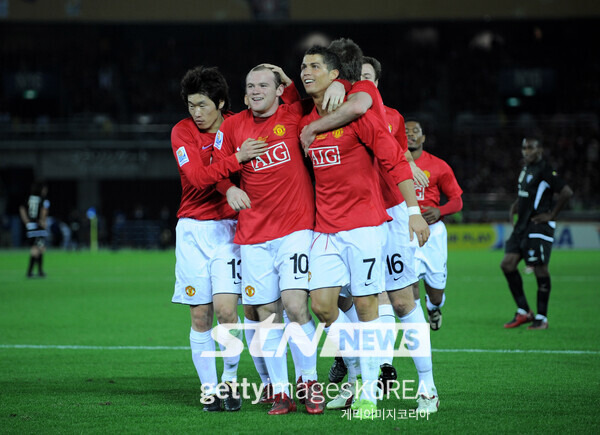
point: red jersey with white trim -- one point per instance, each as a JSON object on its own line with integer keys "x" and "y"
{"x": 441, "y": 179}
{"x": 277, "y": 183}
{"x": 193, "y": 153}
{"x": 348, "y": 195}
{"x": 395, "y": 122}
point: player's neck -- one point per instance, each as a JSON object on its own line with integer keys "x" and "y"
{"x": 417, "y": 153}
{"x": 318, "y": 102}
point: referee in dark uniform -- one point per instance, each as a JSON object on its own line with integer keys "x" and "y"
{"x": 533, "y": 233}
{"x": 33, "y": 214}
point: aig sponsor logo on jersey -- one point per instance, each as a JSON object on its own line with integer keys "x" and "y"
{"x": 325, "y": 156}
{"x": 275, "y": 155}
{"x": 420, "y": 192}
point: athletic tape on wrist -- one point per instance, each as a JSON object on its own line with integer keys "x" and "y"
{"x": 414, "y": 210}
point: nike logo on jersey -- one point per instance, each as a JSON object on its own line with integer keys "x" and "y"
{"x": 207, "y": 147}
{"x": 396, "y": 279}
{"x": 298, "y": 277}
{"x": 237, "y": 282}
{"x": 368, "y": 283}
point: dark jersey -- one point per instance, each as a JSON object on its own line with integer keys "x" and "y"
{"x": 34, "y": 206}
{"x": 538, "y": 183}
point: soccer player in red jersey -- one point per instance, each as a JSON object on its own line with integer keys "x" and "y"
{"x": 399, "y": 254}
{"x": 207, "y": 260}
{"x": 349, "y": 232}
{"x": 431, "y": 258}
{"x": 275, "y": 233}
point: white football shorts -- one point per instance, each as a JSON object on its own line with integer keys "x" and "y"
{"x": 399, "y": 252}
{"x": 275, "y": 266}
{"x": 351, "y": 257}
{"x": 207, "y": 261}
{"x": 431, "y": 258}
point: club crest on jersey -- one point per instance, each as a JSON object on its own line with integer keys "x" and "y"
{"x": 275, "y": 155}
{"x": 279, "y": 130}
{"x": 338, "y": 133}
{"x": 390, "y": 127}
{"x": 325, "y": 156}
{"x": 219, "y": 140}
{"x": 250, "y": 291}
{"x": 190, "y": 291}
{"x": 182, "y": 157}
{"x": 427, "y": 173}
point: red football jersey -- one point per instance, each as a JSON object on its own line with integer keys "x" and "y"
{"x": 277, "y": 183}
{"x": 441, "y": 179}
{"x": 193, "y": 150}
{"x": 348, "y": 195}
{"x": 395, "y": 122}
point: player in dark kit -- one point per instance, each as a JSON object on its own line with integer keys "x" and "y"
{"x": 533, "y": 232}
{"x": 33, "y": 214}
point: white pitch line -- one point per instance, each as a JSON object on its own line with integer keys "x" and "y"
{"x": 77, "y": 347}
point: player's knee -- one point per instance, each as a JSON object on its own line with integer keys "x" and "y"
{"x": 227, "y": 315}
{"x": 321, "y": 310}
{"x": 404, "y": 306}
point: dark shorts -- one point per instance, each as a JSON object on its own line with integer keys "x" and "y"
{"x": 534, "y": 244}
{"x": 37, "y": 237}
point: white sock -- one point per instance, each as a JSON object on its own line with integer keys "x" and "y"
{"x": 351, "y": 314}
{"x": 333, "y": 332}
{"x": 387, "y": 316}
{"x": 276, "y": 365}
{"x": 423, "y": 364}
{"x": 296, "y": 353}
{"x": 369, "y": 367}
{"x": 306, "y": 366}
{"x": 205, "y": 365}
{"x": 430, "y": 306}
{"x": 259, "y": 361}
{"x": 230, "y": 363}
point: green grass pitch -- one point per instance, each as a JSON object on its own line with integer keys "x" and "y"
{"x": 126, "y": 367}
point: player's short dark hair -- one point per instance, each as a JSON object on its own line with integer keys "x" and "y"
{"x": 330, "y": 59}
{"x": 37, "y": 187}
{"x": 375, "y": 64}
{"x": 351, "y": 58}
{"x": 533, "y": 138}
{"x": 261, "y": 67}
{"x": 207, "y": 81}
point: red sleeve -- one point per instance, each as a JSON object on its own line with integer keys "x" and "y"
{"x": 400, "y": 133}
{"x": 223, "y": 150}
{"x": 346, "y": 83}
{"x": 186, "y": 152}
{"x": 452, "y": 206}
{"x": 290, "y": 94}
{"x": 449, "y": 186}
{"x": 376, "y": 136}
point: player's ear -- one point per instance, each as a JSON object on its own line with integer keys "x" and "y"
{"x": 280, "y": 90}
{"x": 334, "y": 74}
{"x": 221, "y": 104}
